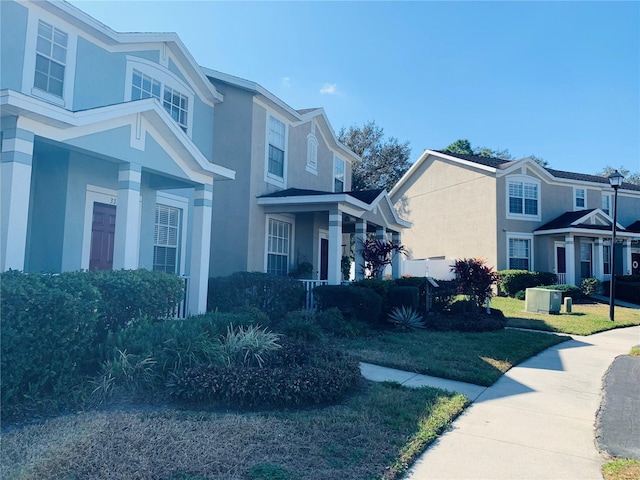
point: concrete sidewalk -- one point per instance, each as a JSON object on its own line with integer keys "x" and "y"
{"x": 536, "y": 422}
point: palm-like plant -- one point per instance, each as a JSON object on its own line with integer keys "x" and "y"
{"x": 406, "y": 318}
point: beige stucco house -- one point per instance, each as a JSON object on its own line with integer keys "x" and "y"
{"x": 290, "y": 202}
{"x": 517, "y": 215}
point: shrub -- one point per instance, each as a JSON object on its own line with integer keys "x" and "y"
{"x": 361, "y": 304}
{"x": 377, "y": 254}
{"x": 566, "y": 290}
{"x": 275, "y": 296}
{"x": 627, "y": 288}
{"x": 590, "y": 286}
{"x": 512, "y": 281}
{"x": 403, "y": 297}
{"x": 302, "y": 325}
{"x": 297, "y": 375}
{"x": 248, "y": 346}
{"x": 466, "y": 322}
{"x": 418, "y": 282}
{"x": 444, "y": 295}
{"x": 48, "y": 325}
{"x": 521, "y": 295}
{"x": 406, "y": 318}
{"x": 333, "y": 322}
{"x": 475, "y": 280}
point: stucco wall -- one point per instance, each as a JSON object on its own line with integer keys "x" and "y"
{"x": 13, "y": 30}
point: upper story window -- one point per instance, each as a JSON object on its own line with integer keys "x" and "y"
{"x": 312, "y": 154}
{"x": 606, "y": 203}
{"x": 338, "y": 174}
{"x": 51, "y": 59}
{"x": 523, "y": 198}
{"x": 143, "y": 86}
{"x": 276, "y": 154}
{"x": 177, "y": 105}
{"x": 174, "y": 102}
{"x": 579, "y": 198}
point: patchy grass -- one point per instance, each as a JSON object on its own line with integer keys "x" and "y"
{"x": 376, "y": 433}
{"x": 585, "y": 319}
{"x": 479, "y": 358}
{"x": 635, "y": 351}
{"x": 621, "y": 469}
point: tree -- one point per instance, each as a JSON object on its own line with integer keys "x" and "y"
{"x": 377, "y": 255}
{"x": 628, "y": 176}
{"x": 382, "y": 163}
{"x": 463, "y": 147}
{"x": 475, "y": 280}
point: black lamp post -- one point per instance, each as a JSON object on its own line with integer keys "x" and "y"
{"x": 615, "y": 179}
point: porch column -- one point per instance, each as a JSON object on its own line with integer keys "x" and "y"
{"x": 381, "y": 236}
{"x": 334, "y": 274}
{"x": 396, "y": 265}
{"x": 200, "y": 245}
{"x": 15, "y": 188}
{"x": 626, "y": 257}
{"x": 598, "y": 263}
{"x": 127, "y": 236}
{"x": 570, "y": 250}
{"x": 361, "y": 236}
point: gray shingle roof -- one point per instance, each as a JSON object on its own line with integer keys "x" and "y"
{"x": 366, "y": 196}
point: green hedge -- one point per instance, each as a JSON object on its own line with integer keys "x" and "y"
{"x": 361, "y": 304}
{"x": 275, "y": 296}
{"x": 512, "y": 281}
{"x": 567, "y": 290}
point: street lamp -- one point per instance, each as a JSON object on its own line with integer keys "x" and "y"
{"x": 615, "y": 179}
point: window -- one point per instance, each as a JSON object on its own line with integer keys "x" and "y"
{"x": 276, "y": 147}
{"x": 174, "y": 102}
{"x": 165, "y": 249}
{"x": 523, "y": 199}
{"x": 338, "y": 175}
{"x": 579, "y": 198}
{"x": 312, "y": 154}
{"x": 51, "y": 58}
{"x": 606, "y": 259}
{"x": 278, "y": 246}
{"x": 606, "y": 204}
{"x": 585, "y": 260}
{"x": 519, "y": 253}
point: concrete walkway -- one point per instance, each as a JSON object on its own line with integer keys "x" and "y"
{"x": 536, "y": 422}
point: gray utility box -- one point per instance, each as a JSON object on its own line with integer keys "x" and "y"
{"x": 541, "y": 300}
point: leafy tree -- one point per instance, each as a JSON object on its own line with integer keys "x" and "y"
{"x": 629, "y": 177}
{"x": 377, "y": 255}
{"x": 383, "y": 161}
{"x": 463, "y": 147}
{"x": 475, "y": 279}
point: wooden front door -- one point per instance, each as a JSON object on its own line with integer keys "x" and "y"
{"x": 103, "y": 232}
{"x": 561, "y": 263}
{"x": 324, "y": 258}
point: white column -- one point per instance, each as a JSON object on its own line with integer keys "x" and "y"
{"x": 598, "y": 263}
{"x": 396, "y": 265}
{"x": 381, "y": 236}
{"x": 127, "y": 236}
{"x": 570, "y": 251}
{"x": 15, "y": 189}
{"x": 200, "y": 250}
{"x": 626, "y": 257}
{"x": 361, "y": 236}
{"x": 334, "y": 274}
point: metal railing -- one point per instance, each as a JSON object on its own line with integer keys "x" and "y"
{"x": 309, "y": 285}
{"x": 561, "y": 278}
{"x": 180, "y": 310}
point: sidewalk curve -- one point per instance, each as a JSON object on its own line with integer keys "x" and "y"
{"x": 536, "y": 422}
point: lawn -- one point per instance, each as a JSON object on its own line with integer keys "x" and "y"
{"x": 585, "y": 319}
{"x": 479, "y": 358}
{"x": 374, "y": 434}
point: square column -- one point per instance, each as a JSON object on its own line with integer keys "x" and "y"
{"x": 334, "y": 273}
{"x": 626, "y": 257}
{"x": 570, "y": 250}
{"x": 200, "y": 250}
{"x": 396, "y": 262}
{"x": 15, "y": 190}
{"x": 127, "y": 235}
{"x": 598, "y": 263}
{"x": 381, "y": 236}
{"x": 360, "y": 236}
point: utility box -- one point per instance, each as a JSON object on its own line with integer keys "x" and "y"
{"x": 541, "y": 300}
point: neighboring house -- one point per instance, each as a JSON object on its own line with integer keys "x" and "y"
{"x": 290, "y": 203}
{"x": 517, "y": 215}
{"x": 107, "y": 148}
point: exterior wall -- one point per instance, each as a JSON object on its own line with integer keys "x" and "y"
{"x": 13, "y": 31}
{"x": 452, "y": 209}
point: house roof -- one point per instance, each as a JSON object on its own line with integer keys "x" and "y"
{"x": 634, "y": 227}
{"x": 366, "y": 196}
{"x": 567, "y": 220}
{"x": 594, "y": 221}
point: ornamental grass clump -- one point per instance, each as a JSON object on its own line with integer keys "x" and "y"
{"x": 406, "y": 318}
{"x": 248, "y": 346}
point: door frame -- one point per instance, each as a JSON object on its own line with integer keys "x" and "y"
{"x": 557, "y": 245}
{"x": 322, "y": 234}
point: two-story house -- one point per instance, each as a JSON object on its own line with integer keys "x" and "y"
{"x": 518, "y": 215}
{"x": 291, "y": 201}
{"x": 107, "y": 148}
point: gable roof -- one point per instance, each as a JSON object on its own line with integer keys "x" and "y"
{"x": 592, "y": 220}
{"x": 634, "y": 227}
{"x": 365, "y": 196}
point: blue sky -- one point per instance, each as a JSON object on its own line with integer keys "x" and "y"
{"x": 560, "y": 80}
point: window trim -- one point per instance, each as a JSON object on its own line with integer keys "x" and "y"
{"x": 312, "y": 154}
{"x": 609, "y": 197}
{"x": 337, "y": 161}
{"x": 575, "y": 198}
{"x": 270, "y": 177}
{"x": 181, "y": 203}
{"x": 607, "y": 258}
{"x": 591, "y": 259}
{"x": 523, "y": 179}
{"x": 520, "y": 236}
{"x": 285, "y": 219}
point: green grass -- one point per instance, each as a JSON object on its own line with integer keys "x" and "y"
{"x": 479, "y": 358}
{"x": 635, "y": 351}
{"x": 621, "y": 469}
{"x": 585, "y": 319}
{"x": 374, "y": 434}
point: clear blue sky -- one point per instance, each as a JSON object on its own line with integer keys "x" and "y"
{"x": 560, "y": 80}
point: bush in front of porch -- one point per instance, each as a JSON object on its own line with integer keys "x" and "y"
{"x": 513, "y": 281}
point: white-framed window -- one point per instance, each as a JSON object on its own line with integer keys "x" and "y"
{"x": 606, "y": 259}
{"x": 586, "y": 251}
{"x": 277, "y": 138}
{"x": 312, "y": 154}
{"x": 166, "y": 239}
{"x": 338, "y": 174}
{"x": 146, "y": 79}
{"x": 579, "y": 198}
{"x": 519, "y": 251}
{"x": 279, "y": 239}
{"x": 51, "y": 59}
{"x": 607, "y": 203}
{"x": 523, "y": 198}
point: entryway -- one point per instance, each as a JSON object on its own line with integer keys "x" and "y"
{"x": 103, "y": 230}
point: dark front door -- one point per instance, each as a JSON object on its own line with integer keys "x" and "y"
{"x": 635, "y": 264}
{"x": 103, "y": 232}
{"x": 324, "y": 259}
{"x": 561, "y": 259}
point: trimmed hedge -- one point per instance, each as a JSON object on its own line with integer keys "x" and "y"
{"x": 466, "y": 322}
{"x": 275, "y": 296}
{"x": 403, "y": 297}
{"x": 512, "y": 281}
{"x": 627, "y": 288}
{"x": 361, "y": 304}
{"x": 567, "y": 290}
